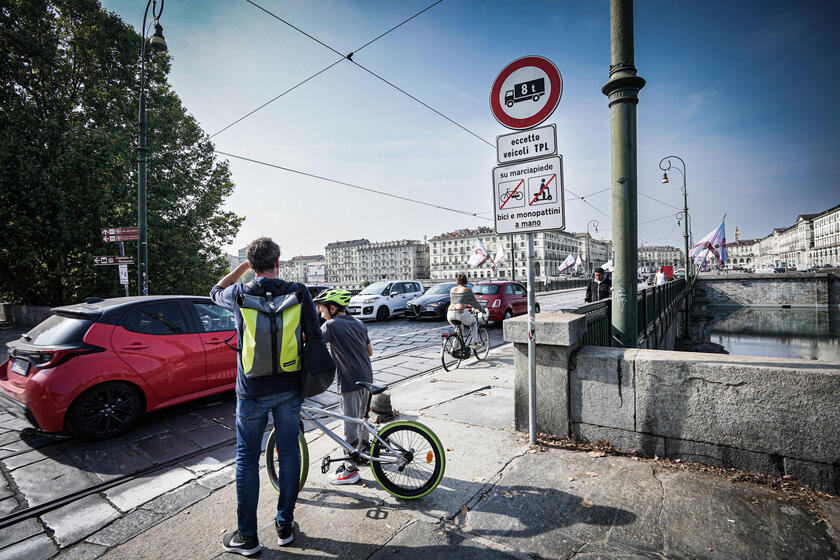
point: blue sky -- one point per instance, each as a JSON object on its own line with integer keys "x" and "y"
{"x": 739, "y": 90}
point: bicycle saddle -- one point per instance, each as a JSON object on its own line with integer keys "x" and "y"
{"x": 374, "y": 389}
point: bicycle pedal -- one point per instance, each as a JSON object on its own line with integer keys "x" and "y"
{"x": 325, "y": 465}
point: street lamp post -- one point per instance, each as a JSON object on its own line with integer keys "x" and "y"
{"x": 589, "y": 245}
{"x": 158, "y": 43}
{"x": 665, "y": 166}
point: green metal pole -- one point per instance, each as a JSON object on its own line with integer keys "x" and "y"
{"x": 142, "y": 245}
{"x": 622, "y": 90}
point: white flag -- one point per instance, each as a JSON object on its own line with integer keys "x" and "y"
{"x": 607, "y": 266}
{"x": 578, "y": 264}
{"x": 500, "y": 256}
{"x": 714, "y": 242}
{"x": 569, "y": 262}
{"x": 479, "y": 255}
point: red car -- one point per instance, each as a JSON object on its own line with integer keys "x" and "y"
{"x": 503, "y": 300}
{"x": 95, "y": 368}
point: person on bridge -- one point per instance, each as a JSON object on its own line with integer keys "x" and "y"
{"x": 257, "y": 396}
{"x": 599, "y": 287}
{"x": 351, "y": 351}
{"x": 660, "y": 277}
{"x": 460, "y": 297}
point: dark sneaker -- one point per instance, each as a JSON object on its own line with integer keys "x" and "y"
{"x": 285, "y": 533}
{"x": 343, "y": 475}
{"x": 232, "y": 542}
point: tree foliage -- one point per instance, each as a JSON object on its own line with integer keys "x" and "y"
{"x": 69, "y": 91}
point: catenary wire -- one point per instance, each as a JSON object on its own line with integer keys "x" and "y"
{"x": 657, "y": 200}
{"x": 351, "y": 185}
{"x": 318, "y": 73}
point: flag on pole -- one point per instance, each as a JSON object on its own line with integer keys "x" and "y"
{"x": 500, "y": 256}
{"x": 479, "y": 255}
{"x": 578, "y": 264}
{"x": 607, "y": 266}
{"x": 570, "y": 261}
{"x": 714, "y": 243}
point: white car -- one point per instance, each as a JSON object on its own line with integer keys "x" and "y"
{"x": 383, "y": 299}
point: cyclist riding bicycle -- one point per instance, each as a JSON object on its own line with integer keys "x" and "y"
{"x": 460, "y": 297}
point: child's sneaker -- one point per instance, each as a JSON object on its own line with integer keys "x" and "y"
{"x": 285, "y": 533}
{"x": 344, "y": 476}
{"x": 232, "y": 542}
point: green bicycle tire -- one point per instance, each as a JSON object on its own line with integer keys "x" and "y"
{"x": 388, "y": 476}
{"x": 271, "y": 465}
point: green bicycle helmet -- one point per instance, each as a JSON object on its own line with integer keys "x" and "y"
{"x": 337, "y": 297}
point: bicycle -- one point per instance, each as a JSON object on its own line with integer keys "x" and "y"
{"x": 406, "y": 457}
{"x": 456, "y": 345}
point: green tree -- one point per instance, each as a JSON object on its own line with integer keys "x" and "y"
{"x": 69, "y": 89}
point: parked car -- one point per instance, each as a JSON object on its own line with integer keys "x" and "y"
{"x": 433, "y": 304}
{"x": 384, "y": 299}
{"x": 96, "y": 368}
{"x": 503, "y": 300}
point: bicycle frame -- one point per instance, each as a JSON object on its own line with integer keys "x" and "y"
{"x": 307, "y": 411}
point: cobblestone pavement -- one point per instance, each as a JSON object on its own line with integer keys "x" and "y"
{"x": 37, "y": 467}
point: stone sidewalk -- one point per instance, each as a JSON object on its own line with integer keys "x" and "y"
{"x": 499, "y": 498}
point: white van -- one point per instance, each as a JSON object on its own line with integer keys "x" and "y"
{"x": 384, "y": 299}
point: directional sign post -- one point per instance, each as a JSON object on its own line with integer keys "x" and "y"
{"x": 528, "y": 197}
{"x": 106, "y": 260}
{"x": 120, "y": 234}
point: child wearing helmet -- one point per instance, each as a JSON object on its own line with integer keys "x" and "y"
{"x": 351, "y": 350}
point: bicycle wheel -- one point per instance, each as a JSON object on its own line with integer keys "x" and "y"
{"x": 483, "y": 344}
{"x": 424, "y": 458}
{"x": 453, "y": 343}
{"x": 271, "y": 459}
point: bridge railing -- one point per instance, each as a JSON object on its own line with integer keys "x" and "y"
{"x": 655, "y": 304}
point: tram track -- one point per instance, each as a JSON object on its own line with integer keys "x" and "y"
{"x": 56, "y": 503}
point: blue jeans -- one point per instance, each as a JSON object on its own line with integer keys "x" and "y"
{"x": 251, "y": 420}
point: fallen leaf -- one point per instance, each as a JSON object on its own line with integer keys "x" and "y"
{"x": 787, "y": 477}
{"x": 481, "y": 394}
{"x": 731, "y": 520}
{"x": 449, "y": 449}
{"x": 572, "y": 478}
{"x": 590, "y": 473}
{"x": 678, "y": 460}
{"x": 586, "y": 503}
{"x": 478, "y": 479}
{"x": 507, "y": 494}
{"x": 597, "y": 454}
{"x": 710, "y": 549}
{"x": 464, "y": 510}
{"x": 364, "y": 485}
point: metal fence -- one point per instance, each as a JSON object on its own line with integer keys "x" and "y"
{"x": 653, "y": 305}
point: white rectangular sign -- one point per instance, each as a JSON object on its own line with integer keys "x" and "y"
{"x": 527, "y": 144}
{"x": 528, "y": 197}
{"x": 123, "y": 274}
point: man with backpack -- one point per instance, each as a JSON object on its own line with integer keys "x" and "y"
{"x": 267, "y": 381}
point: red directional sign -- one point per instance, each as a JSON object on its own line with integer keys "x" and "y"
{"x": 112, "y": 259}
{"x": 526, "y": 92}
{"x": 121, "y": 234}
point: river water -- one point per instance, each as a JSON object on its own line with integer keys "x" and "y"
{"x": 780, "y": 333}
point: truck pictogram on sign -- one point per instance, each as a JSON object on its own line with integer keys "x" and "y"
{"x": 532, "y": 89}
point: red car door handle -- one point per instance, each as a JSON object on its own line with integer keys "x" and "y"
{"x": 214, "y": 340}
{"x": 135, "y": 346}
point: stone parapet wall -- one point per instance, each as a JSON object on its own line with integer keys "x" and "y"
{"x": 777, "y": 416}
{"x": 23, "y": 315}
{"x": 793, "y": 289}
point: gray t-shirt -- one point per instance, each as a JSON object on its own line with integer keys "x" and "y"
{"x": 348, "y": 338}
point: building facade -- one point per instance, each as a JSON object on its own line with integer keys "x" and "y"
{"x": 344, "y": 263}
{"x": 593, "y": 252}
{"x": 826, "y": 251}
{"x": 653, "y": 256}
{"x": 304, "y": 269}
{"x": 449, "y": 253}
{"x": 406, "y": 259}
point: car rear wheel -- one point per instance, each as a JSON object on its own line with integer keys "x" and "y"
{"x": 105, "y": 411}
{"x": 382, "y": 313}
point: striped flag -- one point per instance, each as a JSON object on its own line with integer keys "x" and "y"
{"x": 714, "y": 243}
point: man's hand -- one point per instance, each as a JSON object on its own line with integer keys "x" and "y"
{"x": 232, "y": 278}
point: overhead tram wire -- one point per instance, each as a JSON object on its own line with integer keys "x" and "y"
{"x": 351, "y": 185}
{"x": 318, "y": 73}
{"x": 350, "y": 58}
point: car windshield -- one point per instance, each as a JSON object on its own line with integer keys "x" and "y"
{"x": 441, "y": 288}
{"x": 375, "y": 289}
{"x": 486, "y": 289}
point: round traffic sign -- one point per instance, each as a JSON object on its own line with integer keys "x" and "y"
{"x": 526, "y": 92}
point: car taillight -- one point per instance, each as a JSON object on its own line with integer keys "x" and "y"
{"x": 497, "y": 303}
{"x": 52, "y": 358}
